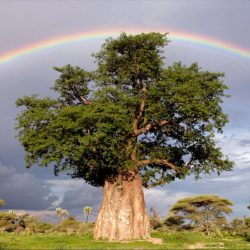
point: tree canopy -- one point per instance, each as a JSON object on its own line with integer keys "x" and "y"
{"x": 130, "y": 114}
{"x": 205, "y": 211}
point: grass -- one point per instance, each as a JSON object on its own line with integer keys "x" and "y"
{"x": 170, "y": 241}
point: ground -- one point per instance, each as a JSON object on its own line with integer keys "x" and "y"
{"x": 169, "y": 241}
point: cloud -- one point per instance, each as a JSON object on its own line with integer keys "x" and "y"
{"x": 236, "y": 144}
{"x": 162, "y": 199}
{"x": 236, "y": 178}
{"x": 24, "y": 190}
{"x": 74, "y": 194}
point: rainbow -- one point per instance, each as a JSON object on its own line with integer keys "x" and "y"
{"x": 178, "y": 36}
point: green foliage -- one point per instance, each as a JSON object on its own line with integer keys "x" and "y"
{"x": 205, "y": 211}
{"x": 72, "y": 85}
{"x": 239, "y": 226}
{"x": 129, "y": 58}
{"x": 175, "y": 222}
{"x": 131, "y": 113}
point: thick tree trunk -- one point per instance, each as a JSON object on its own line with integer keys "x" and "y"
{"x": 123, "y": 214}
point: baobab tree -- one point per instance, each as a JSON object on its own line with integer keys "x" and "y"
{"x": 130, "y": 123}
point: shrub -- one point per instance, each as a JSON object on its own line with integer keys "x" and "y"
{"x": 86, "y": 228}
{"x": 8, "y": 222}
{"x": 70, "y": 225}
{"x": 239, "y": 226}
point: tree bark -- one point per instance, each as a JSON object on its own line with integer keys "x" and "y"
{"x": 123, "y": 215}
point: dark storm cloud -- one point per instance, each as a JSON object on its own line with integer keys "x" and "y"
{"x": 24, "y": 191}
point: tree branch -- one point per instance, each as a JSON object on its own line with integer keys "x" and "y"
{"x": 149, "y": 127}
{"x": 158, "y": 161}
{"x": 84, "y": 100}
{"x": 132, "y": 140}
{"x": 141, "y": 108}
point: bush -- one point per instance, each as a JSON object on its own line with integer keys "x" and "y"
{"x": 86, "y": 228}
{"x": 154, "y": 223}
{"x": 239, "y": 226}
{"x": 70, "y": 225}
{"x": 8, "y": 222}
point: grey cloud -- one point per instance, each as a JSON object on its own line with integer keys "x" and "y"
{"x": 245, "y": 142}
{"x": 236, "y": 146}
{"x": 163, "y": 199}
{"x": 23, "y": 190}
{"x": 77, "y": 195}
{"x": 86, "y": 195}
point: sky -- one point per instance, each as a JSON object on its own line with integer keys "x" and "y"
{"x": 24, "y": 23}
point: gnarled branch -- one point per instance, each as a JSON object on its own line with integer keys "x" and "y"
{"x": 158, "y": 161}
{"x": 141, "y": 108}
{"x": 149, "y": 127}
{"x": 84, "y": 100}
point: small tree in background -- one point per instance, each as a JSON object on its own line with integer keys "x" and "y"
{"x": 2, "y": 202}
{"x": 155, "y": 219}
{"x": 239, "y": 226}
{"x": 87, "y": 211}
{"x": 11, "y": 211}
{"x": 132, "y": 122}
{"x": 204, "y": 211}
{"x": 61, "y": 213}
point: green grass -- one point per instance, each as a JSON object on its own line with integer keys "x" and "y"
{"x": 170, "y": 241}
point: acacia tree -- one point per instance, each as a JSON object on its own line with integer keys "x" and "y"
{"x": 203, "y": 211}
{"x": 130, "y": 123}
